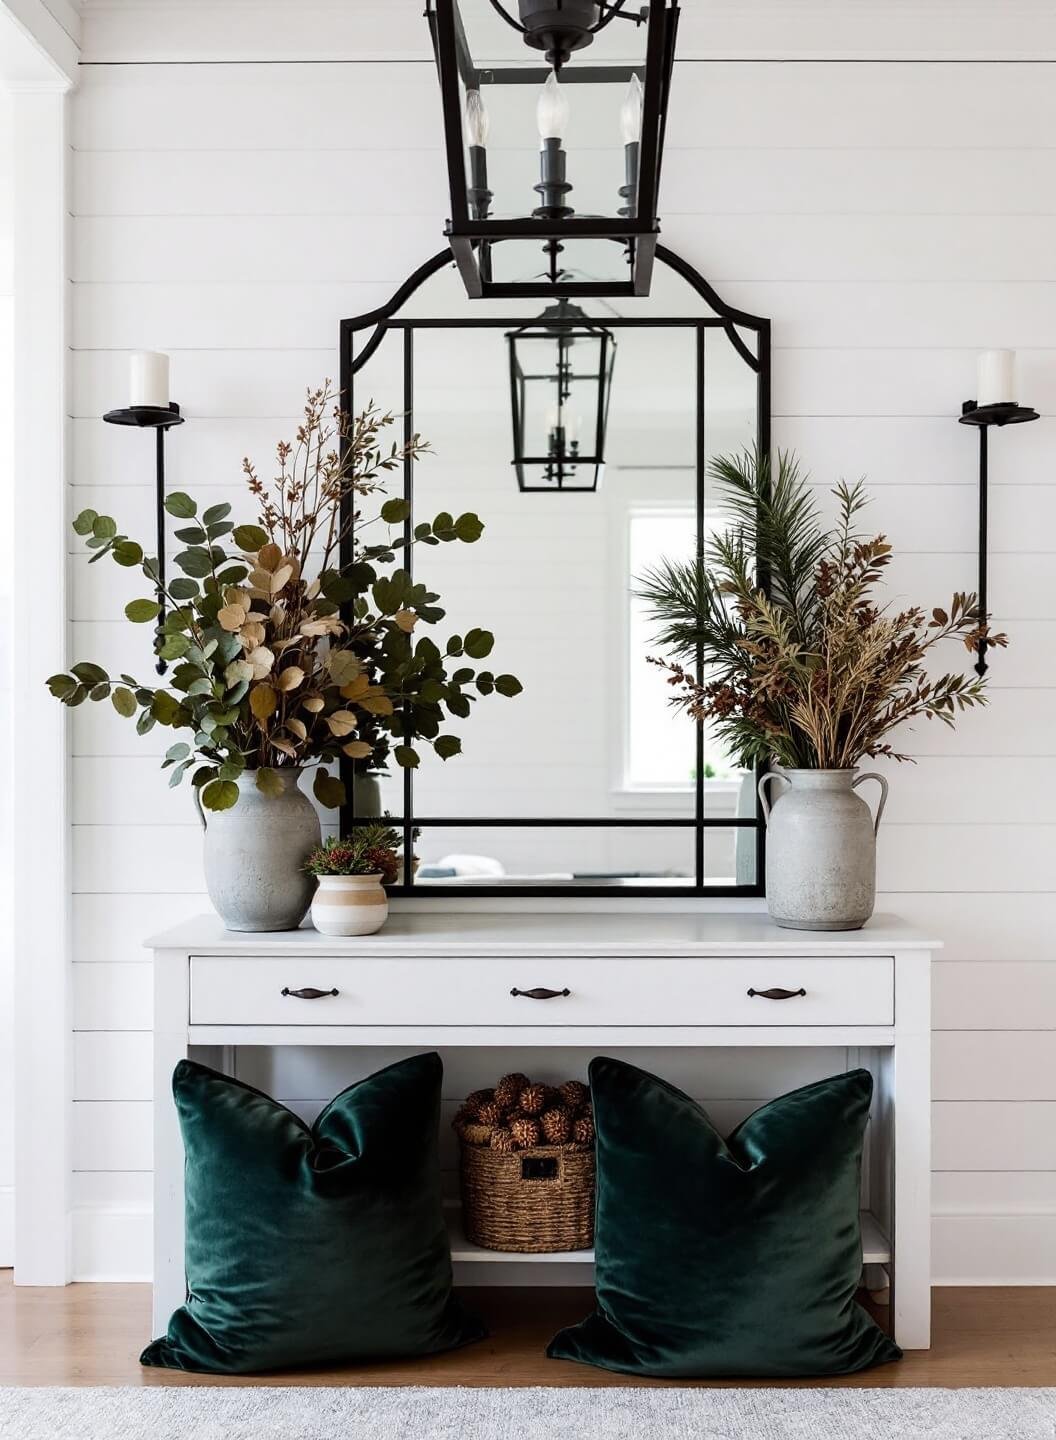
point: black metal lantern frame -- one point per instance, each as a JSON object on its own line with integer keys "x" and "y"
{"x": 359, "y": 340}
{"x": 546, "y": 356}
{"x": 472, "y": 231}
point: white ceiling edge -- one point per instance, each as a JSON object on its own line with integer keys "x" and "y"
{"x": 378, "y": 30}
{"x": 39, "y": 44}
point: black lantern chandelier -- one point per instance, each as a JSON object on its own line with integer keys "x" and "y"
{"x": 498, "y": 254}
{"x": 560, "y": 383}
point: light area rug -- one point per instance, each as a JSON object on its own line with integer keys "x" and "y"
{"x": 399, "y": 1413}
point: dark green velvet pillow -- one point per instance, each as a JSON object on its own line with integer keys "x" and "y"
{"x": 731, "y": 1257}
{"x": 312, "y": 1246}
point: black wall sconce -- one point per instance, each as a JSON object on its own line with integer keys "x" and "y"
{"x": 151, "y": 409}
{"x": 994, "y": 405}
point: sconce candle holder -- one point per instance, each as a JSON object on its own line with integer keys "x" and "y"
{"x": 158, "y": 418}
{"x": 983, "y": 417}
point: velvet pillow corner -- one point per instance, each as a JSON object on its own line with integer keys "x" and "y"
{"x": 734, "y": 1258}
{"x": 312, "y": 1245}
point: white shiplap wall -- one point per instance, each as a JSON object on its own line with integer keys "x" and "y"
{"x": 7, "y": 398}
{"x": 891, "y": 218}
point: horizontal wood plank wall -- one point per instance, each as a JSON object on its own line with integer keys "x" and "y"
{"x": 892, "y": 219}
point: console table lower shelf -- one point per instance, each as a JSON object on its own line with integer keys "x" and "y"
{"x": 876, "y": 1250}
{"x": 727, "y": 1006}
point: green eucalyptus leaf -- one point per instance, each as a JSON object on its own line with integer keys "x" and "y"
{"x": 178, "y": 752}
{"x": 454, "y": 645}
{"x": 184, "y": 589}
{"x": 479, "y": 643}
{"x": 215, "y": 513}
{"x": 85, "y": 521}
{"x": 127, "y": 553}
{"x": 124, "y": 702}
{"x": 140, "y": 611}
{"x": 174, "y": 647}
{"x": 232, "y": 574}
{"x": 395, "y": 511}
{"x": 508, "y": 685}
{"x": 164, "y": 707}
{"x": 192, "y": 535}
{"x": 405, "y": 756}
{"x": 469, "y": 528}
{"x": 269, "y": 782}
{"x": 250, "y": 537}
{"x": 145, "y": 723}
{"x": 444, "y": 526}
{"x": 458, "y": 705}
{"x": 178, "y": 774}
{"x": 447, "y": 745}
{"x": 104, "y": 527}
{"x": 181, "y": 505}
{"x": 61, "y": 686}
{"x": 328, "y": 790}
{"x": 220, "y": 795}
{"x": 195, "y": 562}
{"x": 219, "y": 528}
{"x": 88, "y": 673}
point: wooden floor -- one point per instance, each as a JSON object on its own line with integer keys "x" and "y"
{"x": 92, "y": 1335}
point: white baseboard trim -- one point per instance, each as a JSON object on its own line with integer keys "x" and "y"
{"x": 113, "y": 1245}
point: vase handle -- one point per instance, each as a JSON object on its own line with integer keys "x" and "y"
{"x": 872, "y": 775}
{"x": 198, "y": 806}
{"x": 770, "y": 775}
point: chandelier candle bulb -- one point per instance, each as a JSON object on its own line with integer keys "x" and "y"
{"x": 149, "y": 379}
{"x": 478, "y": 123}
{"x": 996, "y": 378}
{"x": 552, "y": 110}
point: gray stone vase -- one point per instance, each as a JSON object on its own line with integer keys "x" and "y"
{"x": 254, "y": 854}
{"x": 820, "y": 849}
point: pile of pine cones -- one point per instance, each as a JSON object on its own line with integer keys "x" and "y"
{"x": 518, "y": 1115}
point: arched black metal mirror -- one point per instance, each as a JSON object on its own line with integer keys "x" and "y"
{"x": 587, "y": 783}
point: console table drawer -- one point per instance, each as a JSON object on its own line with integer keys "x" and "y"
{"x": 624, "y": 991}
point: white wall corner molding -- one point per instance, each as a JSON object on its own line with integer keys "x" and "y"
{"x": 40, "y": 55}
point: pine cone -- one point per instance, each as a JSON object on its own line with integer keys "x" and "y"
{"x": 556, "y": 1126}
{"x": 490, "y": 1113}
{"x": 525, "y": 1132}
{"x": 575, "y": 1095}
{"x": 583, "y": 1129}
{"x": 533, "y": 1100}
{"x": 473, "y": 1133}
{"x": 502, "y": 1140}
{"x": 477, "y": 1099}
{"x": 508, "y": 1090}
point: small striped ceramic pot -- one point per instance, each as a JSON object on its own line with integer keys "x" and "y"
{"x": 349, "y": 905}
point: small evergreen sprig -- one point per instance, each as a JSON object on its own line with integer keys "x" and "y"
{"x": 371, "y": 850}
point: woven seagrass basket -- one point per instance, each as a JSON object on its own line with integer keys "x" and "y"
{"x": 530, "y": 1201}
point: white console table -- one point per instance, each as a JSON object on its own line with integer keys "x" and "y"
{"x": 624, "y": 980}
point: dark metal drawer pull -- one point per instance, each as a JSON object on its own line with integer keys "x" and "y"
{"x": 539, "y": 993}
{"x": 777, "y": 994}
{"x": 308, "y": 993}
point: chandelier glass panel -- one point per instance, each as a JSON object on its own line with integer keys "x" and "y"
{"x": 554, "y": 114}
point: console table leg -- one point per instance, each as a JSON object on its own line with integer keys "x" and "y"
{"x": 170, "y": 1046}
{"x": 911, "y": 1083}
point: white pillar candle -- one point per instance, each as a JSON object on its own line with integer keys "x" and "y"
{"x": 149, "y": 382}
{"x": 997, "y": 378}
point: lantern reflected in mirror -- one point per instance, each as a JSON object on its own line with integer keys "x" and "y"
{"x": 560, "y": 383}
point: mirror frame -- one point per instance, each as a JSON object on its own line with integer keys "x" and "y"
{"x": 386, "y": 319}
